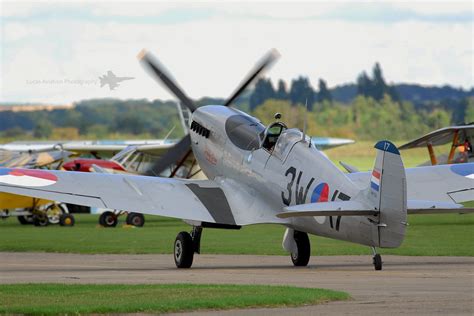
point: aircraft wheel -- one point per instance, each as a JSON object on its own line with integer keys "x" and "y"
{"x": 108, "y": 219}
{"x": 25, "y": 220}
{"x": 377, "y": 262}
{"x": 301, "y": 258}
{"x": 67, "y": 220}
{"x": 183, "y": 250}
{"x": 136, "y": 219}
{"x": 54, "y": 212}
{"x": 40, "y": 219}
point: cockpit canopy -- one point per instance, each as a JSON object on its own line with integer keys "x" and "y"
{"x": 272, "y": 133}
{"x": 247, "y": 133}
{"x": 285, "y": 142}
{"x": 244, "y": 131}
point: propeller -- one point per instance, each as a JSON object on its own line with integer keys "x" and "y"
{"x": 178, "y": 153}
{"x": 263, "y": 64}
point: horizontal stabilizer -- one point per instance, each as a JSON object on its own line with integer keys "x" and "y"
{"x": 355, "y": 208}
{"x": 433, "y": 207}
{"x": 343, "y": 208}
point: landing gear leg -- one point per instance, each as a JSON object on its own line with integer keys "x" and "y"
{"x": 196, "y": 236}
{"x": 377, "y": 260}
{"x": 185, "y": 246}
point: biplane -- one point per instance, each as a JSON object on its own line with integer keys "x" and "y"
{"x": 460, "y": 137}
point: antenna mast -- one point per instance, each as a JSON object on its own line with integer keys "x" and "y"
{"x": 305, "y": 116}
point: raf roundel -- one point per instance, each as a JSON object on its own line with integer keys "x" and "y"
{"x": 320, "y": 193}
{"x": 27, "y": 177}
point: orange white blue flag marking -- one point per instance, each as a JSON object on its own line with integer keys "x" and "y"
{"x": 27, "y": 177}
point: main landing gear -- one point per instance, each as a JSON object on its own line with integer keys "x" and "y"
{"x": 110, "y": 219}
{"x": 301, "y": 256}
{"x": 377, "y": 260}
{"x": 185, "y": 245}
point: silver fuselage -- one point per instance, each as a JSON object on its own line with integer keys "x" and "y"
{"x": 292, "y": 173}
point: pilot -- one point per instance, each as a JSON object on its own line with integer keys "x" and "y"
{"x": 468, "y": 149}
{"x": 273, "y": 132}
{"x": 464, "y": 151}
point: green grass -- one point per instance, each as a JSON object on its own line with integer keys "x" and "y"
{"x": 362, "y": 155}
{"x": 84, "y": 299}
{"x": 427, "y": 235}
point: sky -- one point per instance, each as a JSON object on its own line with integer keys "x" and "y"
{"x": 54, "y": 52}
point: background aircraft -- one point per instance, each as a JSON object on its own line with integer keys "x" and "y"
{"x": 32, "y": 159}
{"x": 261, "y": 174}
{"x": 29, "y": 210}
{"x": 461, "y": 138}
{"x": 133, "y": 160}
{"x": 112, "y": 80}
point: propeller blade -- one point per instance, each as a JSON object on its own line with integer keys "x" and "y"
{"x": 174, "y": 156}
{"x": 159, "y": 72}
{"x": 264, "y": 64}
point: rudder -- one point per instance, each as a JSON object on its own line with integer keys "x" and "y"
{"x": 387, "y": 193}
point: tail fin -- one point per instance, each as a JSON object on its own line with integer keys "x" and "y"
{"x": 387, "y": 193}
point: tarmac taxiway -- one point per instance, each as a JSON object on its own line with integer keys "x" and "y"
{"x": 406, "y": 285}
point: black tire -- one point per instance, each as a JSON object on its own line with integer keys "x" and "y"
{"x": 108, "y": 219}
{"x": 135, "y": 219}
{"x": 25, "y": 219}
{"x": 67, "y": 220}
{"x": 301, "y": 258}
{"x": 183, "y": 250}
{"x": 40, "y": 220}
{"x": 377, "y": 260}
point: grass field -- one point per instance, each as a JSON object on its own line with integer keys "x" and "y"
{"x": 428, "y": 235}
{"x": 362, "y": 155}
{"x": 85, "y": 299}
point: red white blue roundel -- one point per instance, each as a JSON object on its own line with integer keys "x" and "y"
{"x": 27, "y": 177}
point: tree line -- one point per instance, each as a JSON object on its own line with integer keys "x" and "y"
{"x": 374, "y": 110}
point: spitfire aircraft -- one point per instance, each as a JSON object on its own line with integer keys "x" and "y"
{"x": 263, "y": 174}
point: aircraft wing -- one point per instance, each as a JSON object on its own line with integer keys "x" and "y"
{"x": 194, "y": 200}
{"x": 31, "y": 160}
{"x": 105, "y": 148}
{"x": 109, "y": 148}
{"x": 441, "y": 136}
